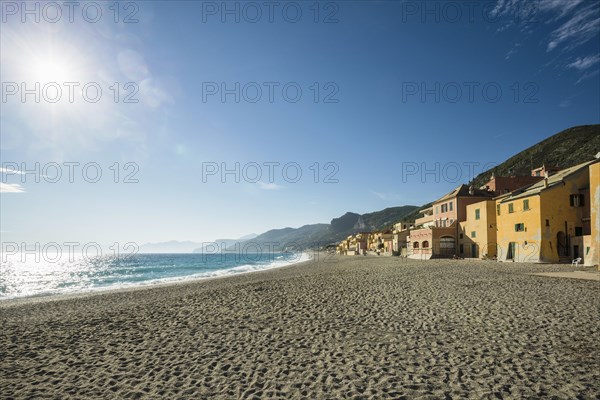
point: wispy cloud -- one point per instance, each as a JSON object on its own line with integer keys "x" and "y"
{"x": 568, "y": 24}
{"x": 587, "y": 75}
{"x": 269, "y": 186}
{"x": 581, "y": 27}
{"x": 386, "y": 196}
{"x": 10, "y": 171}
{"x": 565, "y": 103}
{"x": 585, "y": 62}
{"x": 562, "y": 7}
{"x": 11, "y": 188}
{"x": 581, "y": 19}
{"x": 512, "y": 51}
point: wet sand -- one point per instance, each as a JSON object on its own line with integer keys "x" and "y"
{"x": 343, "y": 327}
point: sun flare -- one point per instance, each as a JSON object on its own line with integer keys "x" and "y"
{"x": 52, "y": 69}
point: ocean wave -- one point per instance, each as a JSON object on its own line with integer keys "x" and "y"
{"x": 99, "y": 283}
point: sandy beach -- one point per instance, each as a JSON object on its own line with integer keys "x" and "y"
{"x": 340, "y": 327}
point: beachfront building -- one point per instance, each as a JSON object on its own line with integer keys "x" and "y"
{"x": 500, "y": 185}
{"x": 593, "y": 256}
{"x": 354, "y": 244}
{"x": 544, "y": 171}
{"x": 400, "y": 235}
{"x": 436, "y": 233}
{"x": 372, "y": 241}
{"x": 388, "y": 242}
{"x": 426, "y": 221}
{"x": 548, "y": 221}
{"x": 477, "y": 234}
{"x": 343, "y": 245}
{"x": 381, "y": 242}
{"x": 360, "y": 242}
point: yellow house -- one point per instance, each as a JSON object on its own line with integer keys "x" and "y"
{"x": 593, "y": 244}
{"x": 477, "y": 234}
{"x": 547, "y": 221}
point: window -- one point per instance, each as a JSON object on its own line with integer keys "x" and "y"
{"x": 446, "y": 242}
{"x": 473, "y": 234}
{"x": 426, "y": 244}
{"x": 415, "y": 245}
{"x": 525, "y": 205}
{"x": 460, "y": 235}
{"x": 450, "y": 204}
{"x": 498, "y": 209}
{"x": 437, "y": 209}
{"x": 444, "y": 207}
{"x": 547, "y": 222}
{"x": 519, "y": 227}
{"x": 576, "y": 200}
{"x": 511, "y": 208}
{"x": 477, "y": 214}
{"x": 578, "y": 231}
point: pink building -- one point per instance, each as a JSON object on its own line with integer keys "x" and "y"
{"x": 436, "y": 233}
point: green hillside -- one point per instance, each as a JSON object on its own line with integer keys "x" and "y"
{"x": 564, "y": 149}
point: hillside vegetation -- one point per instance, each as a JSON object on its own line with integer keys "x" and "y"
{"x": 564, "y": 149}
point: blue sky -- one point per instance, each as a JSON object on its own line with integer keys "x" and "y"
{"x": 394, "y": 82}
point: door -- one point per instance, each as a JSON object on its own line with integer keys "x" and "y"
{"x": 474, "y": 252}
{"x": 575, "y": 251}
{"x": 561, "y": 244}
{"x": 511, "y": 251}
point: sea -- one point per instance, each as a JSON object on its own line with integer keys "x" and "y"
{"x": 30, "y": 275}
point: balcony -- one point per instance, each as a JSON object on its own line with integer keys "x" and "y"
{"x": 424, "y": 220}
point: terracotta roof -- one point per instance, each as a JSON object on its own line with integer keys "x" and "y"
{"x": 463, "y": 191}
{"x": 553, "y": 180}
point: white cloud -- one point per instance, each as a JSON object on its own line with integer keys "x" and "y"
{"x": 565, "y": 103}
{"x": 386, "y": 196}
{"x": 562, "y": 7}
{"x": 10, "y": 171}
{"x": 580, "y": 28}
{"x": 581, "y": 20}
{"x": 269, "y": 186}
{"x": 512, "y": 51}
{"x": 585, "y": 62}
{"x": 10, "y": 188}
{"x": 587, "y": 75}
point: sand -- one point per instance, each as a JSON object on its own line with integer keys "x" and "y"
{"x": 589, "y": 275}
{"x": 343, "y": 327}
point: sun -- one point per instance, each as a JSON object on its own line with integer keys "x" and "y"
{"x": 52, "y": 68}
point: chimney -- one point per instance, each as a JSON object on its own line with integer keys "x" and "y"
{"x": 546, "y": 181}
{"x": 471, "y": 190}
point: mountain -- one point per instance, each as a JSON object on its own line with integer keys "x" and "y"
{"x": 221, "y": 244}
{"x": 564, "y": 149}
{"x": 172, "y": 246}
{"x": 317, "y": 235}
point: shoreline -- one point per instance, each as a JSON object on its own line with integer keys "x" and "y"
{"x": 338, "y": 327}
{"x": 148, "y": 285}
